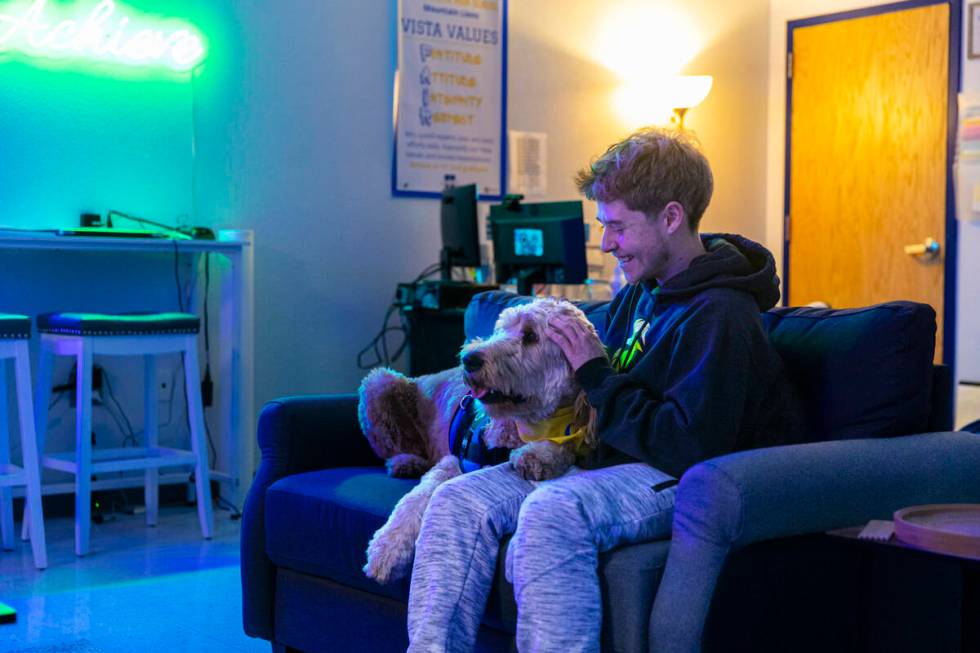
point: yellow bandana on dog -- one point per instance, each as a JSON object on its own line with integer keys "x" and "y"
{"x": 559, "y": 428}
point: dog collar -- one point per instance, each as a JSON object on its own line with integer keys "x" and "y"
{"x": 559, "y": 428}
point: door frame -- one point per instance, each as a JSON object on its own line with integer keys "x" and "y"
{"x": 950, "y": 243}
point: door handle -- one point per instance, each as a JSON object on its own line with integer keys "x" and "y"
{"x": 929, "y": 249}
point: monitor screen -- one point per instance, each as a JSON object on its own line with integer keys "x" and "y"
{"x": 538, "y": 243}
{"x": 460, "y": 231}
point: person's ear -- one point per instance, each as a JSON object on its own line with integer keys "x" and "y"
{"x": 675, "y": 217}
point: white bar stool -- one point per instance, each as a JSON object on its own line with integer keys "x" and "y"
{"x": 15, "y": 330}
{"x": 83, "y": 335}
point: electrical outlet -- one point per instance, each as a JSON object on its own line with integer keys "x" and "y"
{"x": 163, "y": 385}
{"x": 166, "y": 379}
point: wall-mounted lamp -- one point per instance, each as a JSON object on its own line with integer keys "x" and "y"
{"x": 686, "y": 92}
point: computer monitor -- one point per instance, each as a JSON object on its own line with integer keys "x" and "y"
{"x": 538, "y": 243}
{"x": 460, "y": 231}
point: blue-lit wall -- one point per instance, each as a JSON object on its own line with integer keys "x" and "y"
{"x": 968, "y": 290}
{"x": 72, "y": 140}
{"x": 78, "y": 136}
{"x": 284, "y": 129}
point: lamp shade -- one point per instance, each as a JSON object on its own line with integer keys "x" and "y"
{"x": 686, "y": 91}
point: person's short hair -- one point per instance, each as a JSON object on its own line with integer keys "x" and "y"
{"x": 649, "y": 169}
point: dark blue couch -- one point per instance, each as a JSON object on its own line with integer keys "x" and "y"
{"x": 748, "y": 567}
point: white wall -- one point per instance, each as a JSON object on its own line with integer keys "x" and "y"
{"x": 783, "y": 11}
{"x": 968, "y": 264}
{"x": 558, "y": 86}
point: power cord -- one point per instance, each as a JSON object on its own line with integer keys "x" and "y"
{"x": 207, "y": 385}
{"x": 128, "y": 431}
{"x": 427, "y": 272}
{"x": 176, "y": 232}
{"x": 180, "y": 293}
{"x": 230, "y": 507}
{"x": 129, "y": 434}
{"x": 220, "y": 500}
{"x": 122, "y": 421}
{"x": 143, "y": 222}
{"x": 212, "y": 452}
{"x": 379, "y": 344}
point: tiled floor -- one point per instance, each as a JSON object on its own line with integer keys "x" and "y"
{"x": 140, "y": 589}
{"x": 967, "y": 404}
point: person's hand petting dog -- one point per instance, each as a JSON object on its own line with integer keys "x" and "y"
{"x": 577, "y": 343}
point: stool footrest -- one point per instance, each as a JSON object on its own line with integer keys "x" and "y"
{"x": 12, "y": 475}
{"x": 123, "y": 459}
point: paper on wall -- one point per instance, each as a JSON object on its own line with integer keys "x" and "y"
{"x": 968, "y": 158}
{"x": 449, "y": 111}
{"x": 528, "y": 163}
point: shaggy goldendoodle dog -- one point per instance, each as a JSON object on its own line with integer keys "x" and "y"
{"x": 527, "y": 390}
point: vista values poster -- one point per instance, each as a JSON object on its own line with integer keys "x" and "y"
{"x": 450, "y": 96}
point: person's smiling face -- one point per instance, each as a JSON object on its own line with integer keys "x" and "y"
{"x": 638, "y": 242}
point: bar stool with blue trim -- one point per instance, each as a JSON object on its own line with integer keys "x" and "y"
{"x": 15, "y": 331}
{"x": 83, "y": 335}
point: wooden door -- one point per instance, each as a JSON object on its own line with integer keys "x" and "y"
{"x": 867, "y": 169}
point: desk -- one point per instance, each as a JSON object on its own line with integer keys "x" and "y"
{"x": 916, "y": 600}
{"x": 237, "y": 459}
{"x": 434, "y": 312}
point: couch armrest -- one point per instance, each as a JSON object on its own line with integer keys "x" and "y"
{"x": 296, "y": 434}
{"x": 306, "y": 433}
{"x": 732, "y": 501}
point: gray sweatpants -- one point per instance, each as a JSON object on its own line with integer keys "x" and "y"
{"x": 559, "y": 527}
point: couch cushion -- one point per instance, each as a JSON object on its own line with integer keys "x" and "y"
{"x": 629, "y": 577}
{"x": 863, "y": 372}
{"x": 485, "y": 307}
{"x": 320, "y": 522}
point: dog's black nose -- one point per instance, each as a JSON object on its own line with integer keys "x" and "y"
{"x": 472, "y": 361}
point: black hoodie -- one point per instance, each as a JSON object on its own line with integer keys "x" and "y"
{"x": 697, "y": 377}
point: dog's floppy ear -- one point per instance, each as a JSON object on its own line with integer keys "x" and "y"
{"x": 388, "y": 410}
{"x": 586, "y": 415}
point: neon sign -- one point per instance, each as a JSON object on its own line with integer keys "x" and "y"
{"x": 104, "y": 34}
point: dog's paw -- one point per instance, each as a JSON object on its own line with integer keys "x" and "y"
{"x": 407, "y": 465}
{"x": 540, "y": 461}
{"x": 387, "y": 562}
{"x": 502, "y": 433}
